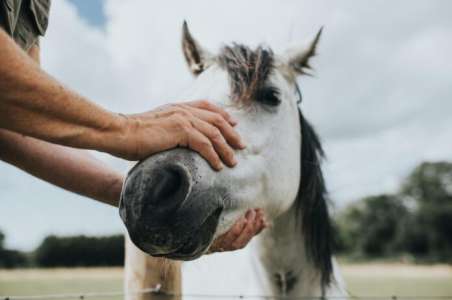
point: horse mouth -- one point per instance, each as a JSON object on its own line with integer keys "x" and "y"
{"x": 198, "y": 243}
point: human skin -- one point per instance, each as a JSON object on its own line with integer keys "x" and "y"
{"x": 40, "y": 118}
{"x": 35, "y": 104}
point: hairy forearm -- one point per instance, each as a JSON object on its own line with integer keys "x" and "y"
{"x": 34, "y": 104}
{"x": 59, "y": 165}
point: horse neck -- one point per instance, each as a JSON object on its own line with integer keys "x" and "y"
{"x": 283, "y": 255}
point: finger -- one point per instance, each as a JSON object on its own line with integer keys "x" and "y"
{"x": 260, "y": 215}
{"x": 247, "y": 233}
{"x": 231, "y": 136}
{"x": 201, "y": 144}
{"x": 261, "y": 224}
{"x": 219, "y": 143}
{"x": 206, "y": 105}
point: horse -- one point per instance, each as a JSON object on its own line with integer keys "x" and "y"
{"x": 174, "y": 204}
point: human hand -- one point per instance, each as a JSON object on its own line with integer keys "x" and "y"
{"x": 241, "y": 232}
{"x": 199, "y": 125}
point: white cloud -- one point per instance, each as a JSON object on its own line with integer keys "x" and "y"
{"x": 381, "y": 99}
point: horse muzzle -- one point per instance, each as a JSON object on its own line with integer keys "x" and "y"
{"x": 167, "y": 209}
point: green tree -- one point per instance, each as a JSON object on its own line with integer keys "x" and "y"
{"x": 11, "y": 258}
{"x": 80, "y": 251}
{"x": 429, "y": 191}
{"x": 372, "y": 226}
{"x": 2, "y": 239}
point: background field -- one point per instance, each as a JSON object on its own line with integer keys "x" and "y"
{"x": 362, "y": 280}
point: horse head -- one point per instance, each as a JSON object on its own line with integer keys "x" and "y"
{"x": 174, "y": 204}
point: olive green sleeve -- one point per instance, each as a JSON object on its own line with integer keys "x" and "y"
{"x": 25, "y": 20}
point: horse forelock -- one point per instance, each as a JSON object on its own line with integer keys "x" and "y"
{"x": 248, "y": 70}
{"x": 312, "y": 204}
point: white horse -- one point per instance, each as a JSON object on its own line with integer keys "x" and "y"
{"x": 174, "y": 205}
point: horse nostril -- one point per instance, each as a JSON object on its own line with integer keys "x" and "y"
{"x": 168, "y": 189}
{"x": 167, "y": 182}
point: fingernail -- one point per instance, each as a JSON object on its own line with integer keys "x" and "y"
{"x": 232, "y": 120}
{"x": 233, "y": 161}
{"x": 219, "y": 166}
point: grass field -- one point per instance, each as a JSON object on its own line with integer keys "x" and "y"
{"x": 362, "y": 280}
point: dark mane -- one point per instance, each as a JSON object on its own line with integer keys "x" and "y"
{"x": 248, "y": 70}
{"x": 312, "y": 204}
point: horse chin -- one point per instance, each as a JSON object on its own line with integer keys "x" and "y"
{"x": 180, "y": 244}
{"x": 198, "y": 244}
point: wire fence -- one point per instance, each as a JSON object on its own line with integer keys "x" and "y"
{"x": 157, "y": 292}
{"x": 154, "y": 290}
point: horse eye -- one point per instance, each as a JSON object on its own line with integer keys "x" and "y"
{"x": 268, "y": 96}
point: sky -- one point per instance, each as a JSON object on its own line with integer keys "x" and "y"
{"x": 92, "y": 11}
{"x": 381, "y": 98}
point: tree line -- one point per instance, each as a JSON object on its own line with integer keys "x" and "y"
{"x": 414, "y": 223}
{"x": 73, "y": 251}
{"x": 10, "y": 258}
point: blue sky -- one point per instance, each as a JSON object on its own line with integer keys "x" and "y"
{"x": 380, "y": 99}
{"x": 91, "y": 10}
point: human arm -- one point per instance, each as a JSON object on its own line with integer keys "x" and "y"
{"x": 34, "y": 104}
{"x": 72, "y": 169}
{"x": 69, "y": 168}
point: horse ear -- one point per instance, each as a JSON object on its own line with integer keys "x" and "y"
{"x": 196, "y": 57}
{"x": 298, "y": 58}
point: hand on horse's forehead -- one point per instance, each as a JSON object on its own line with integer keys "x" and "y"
{"x": 198, "y": 125}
